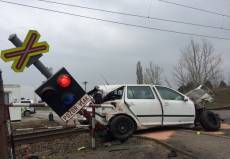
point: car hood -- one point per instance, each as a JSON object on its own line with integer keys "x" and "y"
{"x": 108, "y": 88}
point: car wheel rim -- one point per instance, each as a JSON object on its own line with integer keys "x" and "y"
{"x": 123, "y": 128}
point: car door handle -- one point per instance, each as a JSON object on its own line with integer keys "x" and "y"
{"x": 166, "y": 104}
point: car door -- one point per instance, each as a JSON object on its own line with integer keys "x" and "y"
{"x": 177, "y": 108}
{"x": 142, "y": 103}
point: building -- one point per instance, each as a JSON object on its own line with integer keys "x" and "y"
{"x": 12, "y": 93}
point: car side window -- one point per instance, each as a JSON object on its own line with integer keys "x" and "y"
{"x": 139, "y": 92}
{"x": 169, "y": 94}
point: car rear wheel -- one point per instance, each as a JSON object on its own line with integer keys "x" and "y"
{"x": 122, "y": 127}
{"x": 210, "y": 121}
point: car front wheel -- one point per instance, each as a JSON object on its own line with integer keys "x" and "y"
{"x": 122, "y": 127}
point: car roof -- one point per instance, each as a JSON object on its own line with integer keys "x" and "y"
{"x": 109, "y": 88}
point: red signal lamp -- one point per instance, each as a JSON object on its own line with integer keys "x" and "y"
{"x": 64, "y": 81}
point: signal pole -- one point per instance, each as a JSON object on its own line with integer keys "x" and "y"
{"x": 4, "y": 146}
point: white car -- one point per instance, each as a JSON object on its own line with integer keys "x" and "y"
{"x": 127, "y": 108}
{"x": 27, "y": 111}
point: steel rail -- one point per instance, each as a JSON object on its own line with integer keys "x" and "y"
{"x": 32, "y": 137}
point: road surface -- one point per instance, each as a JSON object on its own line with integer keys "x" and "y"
{"x": 202, "y": 145}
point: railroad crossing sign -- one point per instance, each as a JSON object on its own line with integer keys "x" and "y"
{"x": 61, "y": 92}
{"x": 21, "y": 55}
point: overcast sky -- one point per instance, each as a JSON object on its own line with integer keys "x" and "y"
{"x": 90, "y": 48}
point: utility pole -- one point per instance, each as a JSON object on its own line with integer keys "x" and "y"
{"x": 4, "y": 146}
{"x": 85, "y": 83}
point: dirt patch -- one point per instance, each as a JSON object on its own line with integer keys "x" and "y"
{"x": 225, "y": 126}
{"x": 78, "y": 146}
{"x": 134, "y": 148}
{"x": 160, "y": 135}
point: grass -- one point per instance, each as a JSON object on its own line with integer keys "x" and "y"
{"x": 221, "y": 97}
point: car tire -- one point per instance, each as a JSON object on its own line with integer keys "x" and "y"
{"x": 210, "y": 121}
{"x": 122, "y": 127}
{"x": 27, "y": 113}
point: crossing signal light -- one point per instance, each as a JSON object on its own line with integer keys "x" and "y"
{"x": 64, "y": 81}
{"x": 60, "y": 91}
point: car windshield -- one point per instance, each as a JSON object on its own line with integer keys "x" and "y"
{"x": 114, "y": 95}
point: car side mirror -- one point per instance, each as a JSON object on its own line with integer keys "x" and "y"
{"x": 185, "y": 99}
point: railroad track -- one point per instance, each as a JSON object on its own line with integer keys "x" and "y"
{"x": 32, "y": 137}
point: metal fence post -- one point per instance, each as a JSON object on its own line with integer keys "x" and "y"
{"x": 10, "y": 133}
{"x": 93, "y": 133}
{"x": 4, "y": 146}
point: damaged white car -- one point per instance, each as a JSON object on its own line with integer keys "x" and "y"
{"x": 127, "y": 108}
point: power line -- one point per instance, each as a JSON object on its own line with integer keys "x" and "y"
{"x": 195, "y": 8}
{"x": 135, "y": 15}
{"x": 117, "y": 22}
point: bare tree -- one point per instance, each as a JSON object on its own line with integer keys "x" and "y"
{"x": 139, "y": 73}
{"x": 229, "y": 79}
{"x": 222, "y": 84}
{"x": 198, "y": 63}
{"x": 167, "y": 82}
{"x": 153, "y": 74}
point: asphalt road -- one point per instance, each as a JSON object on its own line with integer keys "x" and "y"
{"x": 202, "y": 145}
{"x": 224, "y": 114}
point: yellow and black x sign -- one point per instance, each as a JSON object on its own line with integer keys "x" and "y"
{"x": 21, "y": 55}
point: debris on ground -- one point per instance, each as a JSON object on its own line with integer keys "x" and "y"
{"x": 172, "y": 154}
{"x": 81, "y": 148}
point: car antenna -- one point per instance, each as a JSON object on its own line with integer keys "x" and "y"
{"x": 104, "y": 79}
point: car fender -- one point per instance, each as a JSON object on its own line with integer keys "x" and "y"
{"x": 110, "y": 116}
